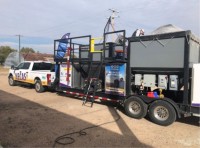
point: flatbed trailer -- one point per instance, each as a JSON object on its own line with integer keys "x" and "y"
{"x": 158, "y": 75}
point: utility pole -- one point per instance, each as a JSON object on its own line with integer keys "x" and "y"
{"x": 19, "y": 45}
{"x": 113, "y": 16}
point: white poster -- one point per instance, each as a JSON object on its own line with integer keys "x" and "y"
{"x": 65, "y": 75}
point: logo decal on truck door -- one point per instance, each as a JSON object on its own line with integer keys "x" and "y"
{"x": 21, "y": 76}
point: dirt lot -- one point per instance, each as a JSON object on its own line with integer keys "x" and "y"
{"x": 30, "y": 119}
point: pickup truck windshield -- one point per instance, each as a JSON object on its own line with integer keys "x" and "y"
{"x": 24, "y": 65}
{"x": 42, "y": 66}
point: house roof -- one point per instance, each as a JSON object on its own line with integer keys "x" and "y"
{"x": 37, "y": 57}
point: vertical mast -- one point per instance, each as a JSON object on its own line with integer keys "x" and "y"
{"x": 112, "y": 21}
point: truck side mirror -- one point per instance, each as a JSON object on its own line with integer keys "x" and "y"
{"x": 12, "y": 67}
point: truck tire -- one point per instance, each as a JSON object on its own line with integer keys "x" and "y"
{"x": 38, "y": 86}
{"x": 162, "y": 113}
{"x": 11, "y": 81}
{"x": 135, "y": 107}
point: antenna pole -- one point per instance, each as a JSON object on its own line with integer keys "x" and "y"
{"x": 113, "y": 16}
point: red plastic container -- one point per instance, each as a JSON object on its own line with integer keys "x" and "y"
{"x": 150, "y": 94}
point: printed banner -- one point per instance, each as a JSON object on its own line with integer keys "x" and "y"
{"x": 115, "y": 78}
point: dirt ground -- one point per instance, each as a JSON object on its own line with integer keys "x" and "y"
{"x": 30, "y": 119}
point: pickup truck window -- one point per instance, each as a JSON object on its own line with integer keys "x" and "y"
{"x": 42, "y": 66}
{"x": 24, "y": 65}
{"x": 53, "y": 68}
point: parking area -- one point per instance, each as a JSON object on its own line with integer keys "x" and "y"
{"x": 31, "y": 119}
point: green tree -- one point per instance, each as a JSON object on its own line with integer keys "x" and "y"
{"x": 4, "y": 52}
{"x": 27, "y": 50}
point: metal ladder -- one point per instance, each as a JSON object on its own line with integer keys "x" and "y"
{"x": 92, "y": 82}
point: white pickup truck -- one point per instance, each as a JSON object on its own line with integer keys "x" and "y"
{"x": 38, "y": 73}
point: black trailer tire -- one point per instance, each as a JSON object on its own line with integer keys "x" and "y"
{"x": 11, "y": 81}
{"x": 135, "y": 107}
{"x": 162, "y": 113}
{"x": 38, "y": 86}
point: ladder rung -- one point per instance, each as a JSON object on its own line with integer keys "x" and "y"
{"x": 92, "y": 82}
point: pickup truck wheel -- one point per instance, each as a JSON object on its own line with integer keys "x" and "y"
{"x": 135, "y": 107}
{"x": 162, "y": 113}
{"x": 38, "y": 86}
{"x": 11, "y": 81}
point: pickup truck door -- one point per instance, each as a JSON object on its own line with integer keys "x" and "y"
{"x": 21, "y": 72}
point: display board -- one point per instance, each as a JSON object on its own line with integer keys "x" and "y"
{"x": 115, "y": 79}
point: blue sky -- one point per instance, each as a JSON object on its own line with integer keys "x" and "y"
{"x": 42, "y": 21}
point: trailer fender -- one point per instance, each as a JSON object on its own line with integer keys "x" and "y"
{"x": 174, "y": 105}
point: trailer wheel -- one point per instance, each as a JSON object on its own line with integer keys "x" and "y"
{"x": 162, "y": 113}
{"x": 135, "y": 107}
{"x": 11, "y": 81}
{"x": 38, "y": 86}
